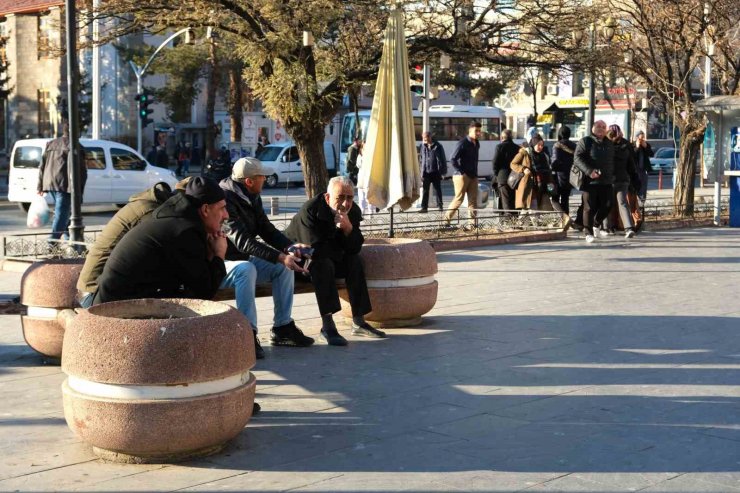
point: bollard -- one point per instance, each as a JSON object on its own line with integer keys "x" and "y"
{"x": 274, "y": 206}
{"x": 660, "y": 179}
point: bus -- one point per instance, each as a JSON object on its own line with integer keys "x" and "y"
{"x": 448, "y": 124}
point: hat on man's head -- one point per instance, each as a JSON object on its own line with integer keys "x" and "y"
{"x": 247, "y": 167}
{"x": 204, "y": 190}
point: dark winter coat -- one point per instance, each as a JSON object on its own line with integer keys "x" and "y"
{"x": 505, "y": 153}
{"x": 642, "y": 158}
{"x": 562, "y": 160}
{"x": 314, "y": 225}
{"x": 433, "y": 159}
{"x": 164, "y": 256}
{"x": 465, "y": 157}
{"x": 139, "y": 207}
{"x": 247, "y": 220}
{"x": 54, "y": 173}
{"x": 624, "y": 162}
{"x": 592, "y": 154}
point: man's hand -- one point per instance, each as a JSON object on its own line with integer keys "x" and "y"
{"x": 341, "y": 219}
{"x": 291, "y": 263}
{"x": 595, "y": 174}
{"x": 527, "y": 171}
{"x": 40, "y": 193}
{"x": 217, "y": 246}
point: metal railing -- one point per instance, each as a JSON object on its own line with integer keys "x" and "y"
{"x": 429, "y": 226}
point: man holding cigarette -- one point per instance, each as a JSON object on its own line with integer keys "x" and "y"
{"x": 330, "y": 223}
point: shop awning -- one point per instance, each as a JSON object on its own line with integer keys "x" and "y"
{"x": 718, "y": 103}
{"x": 553, "y": 108}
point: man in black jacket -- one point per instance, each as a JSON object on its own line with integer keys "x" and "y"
{"x": 330, "y": 222}
{"x": 178, "y": 252}
{"x": 464, "y": 160}
{"x": 595, "y": 157}
{"x": 54, "y": 180}
{"x": 433, "y": 168}
{"x": 251, "y": 261}
{"x": 505, "y": 153}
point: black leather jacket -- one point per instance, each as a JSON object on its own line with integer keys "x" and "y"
{"x": 247, "y": 220}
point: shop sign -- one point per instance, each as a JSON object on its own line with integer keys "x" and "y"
{"x": 573, "y": 103}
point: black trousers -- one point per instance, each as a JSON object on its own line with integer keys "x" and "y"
{"x": 506, "y": 197}
{"x": 324, "y": 273}
{"x": 433, "y": 179}
{"x": 597, "y": 204}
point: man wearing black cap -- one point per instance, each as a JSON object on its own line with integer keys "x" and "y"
{"x": 267, "y": 259}
{"x": 178, "y": 252}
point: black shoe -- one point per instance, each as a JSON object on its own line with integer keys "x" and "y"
{"x": 258, "y": 351}
{"x": 256, "y": 408}
{"x": 332, "y": 337}
{"x": 441, "y": 208}
{"x": 367, "y": 330}
{"x": 290, "y": 335}
{"x": 423, "y": 211}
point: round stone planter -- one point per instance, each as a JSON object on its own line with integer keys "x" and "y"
{"x": 400, "y": 278}
{"x": 158, "y": 380}
{"x": 48, "y": 287}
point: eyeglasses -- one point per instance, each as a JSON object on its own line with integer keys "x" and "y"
{"x": 343, "y": 198}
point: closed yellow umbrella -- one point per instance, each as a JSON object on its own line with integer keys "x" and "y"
{"x": 390, "y": 164}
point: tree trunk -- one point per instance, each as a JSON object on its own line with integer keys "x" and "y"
{"x": 211, "y": 100}
{"x": 236, "y": 102}
{"x": 309, "y": 139}
{"x": 692, "y": 135}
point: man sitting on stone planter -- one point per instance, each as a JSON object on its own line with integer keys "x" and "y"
{"x": 330, "y": 223}
{"x": 139, "y": 206}
{"x": 178, "y": 252}
{"x": 250, "y": 260}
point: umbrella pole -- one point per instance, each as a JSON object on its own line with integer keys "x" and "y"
{"x": 390, "y": 225}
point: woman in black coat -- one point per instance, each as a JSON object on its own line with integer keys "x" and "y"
{"x": 562, "y": 161}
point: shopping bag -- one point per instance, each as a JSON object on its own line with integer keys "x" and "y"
{"x": 38, "y": 213}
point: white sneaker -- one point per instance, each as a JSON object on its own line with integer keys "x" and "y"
{"x": 600, "y": 233}
{"x": 590, "y": 238}
{"x": 629, "y": 234}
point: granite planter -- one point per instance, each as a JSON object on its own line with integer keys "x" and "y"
{"x": 400, "y": 278}
{"x": 158, "y": 380}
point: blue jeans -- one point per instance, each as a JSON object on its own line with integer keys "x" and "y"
{"x": 243, "y": 276}
{"x": 62, "y": 209}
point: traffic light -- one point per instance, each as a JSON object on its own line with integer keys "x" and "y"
{"x": 145, "y": 99}
{"x": 416, "y": 84}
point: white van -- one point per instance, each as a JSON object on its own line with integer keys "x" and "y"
{"x": 284, "y": 160}
{"x": 114, "y": 172}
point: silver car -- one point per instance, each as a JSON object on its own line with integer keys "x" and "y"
{"x": 665, "y": 159}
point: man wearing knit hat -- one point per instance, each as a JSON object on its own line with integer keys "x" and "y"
{"x": 178, "y": 252}
{"x": 251, "y": 260}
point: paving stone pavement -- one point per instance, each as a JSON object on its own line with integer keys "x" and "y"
{"x": 543, "y": 367}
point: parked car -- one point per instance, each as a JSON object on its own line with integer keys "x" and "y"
{"x": 284, "y": 160}
{"x": 114, "y": 172}
{"x": 664, "y": 159}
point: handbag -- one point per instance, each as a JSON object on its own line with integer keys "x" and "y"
{"x": 576, "y": 177}
{"x": 514, "y": 178}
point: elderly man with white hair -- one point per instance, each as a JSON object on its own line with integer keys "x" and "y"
{"x": 330, "y": 222}
{"x": 250, "y": 260}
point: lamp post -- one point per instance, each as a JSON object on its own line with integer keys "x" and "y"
{"x": 139, "y": 72}
{"x": 610, "y": 27}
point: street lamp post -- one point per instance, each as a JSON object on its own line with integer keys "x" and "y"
{"x": 139, "y": 72}
{"x": 610, "y": 26}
